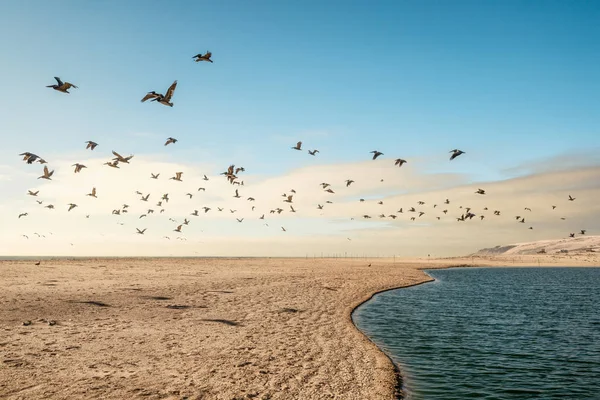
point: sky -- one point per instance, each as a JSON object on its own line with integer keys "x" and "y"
{"x": 514, "y": 84}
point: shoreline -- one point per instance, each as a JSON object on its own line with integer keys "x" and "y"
{"x": 399, "y": 393}
{"x": 219, "y": 328}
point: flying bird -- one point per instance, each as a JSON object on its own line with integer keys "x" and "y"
{"x": 78, "y": 167}
{"x": 203, "y": 57}
{"x": 47, "y": 174}
{"x": 376, "y": 154}
{"x": 163, "y": 99}
{"x": 140, "y": 232}
{"x": 298, "y": 146}
{"x": 62, "y": 86}
{"x": 23, "y": 215}
{"x": 29, "y": 192}
{"x": 480, "y": 191}
{"x": 571, "y": 198}
{"x": 153, "y": 176}
{"x": 313, "y": 152}
{"x": 170, "y": 140}
{"x": 71, "y": 206}
{"x": 120, "y": 158}
{"x": 91, "y": 145}
{"x": 93, "y": 193}
{"x": 177, "y": 176}
{"x": 455, "y": 153}
{"x": 349, "y": 182}
{"x": 399, "y": 162}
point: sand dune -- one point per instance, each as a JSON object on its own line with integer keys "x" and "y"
{"x": 198, "y": 328}
{"x": 579, "y": 245}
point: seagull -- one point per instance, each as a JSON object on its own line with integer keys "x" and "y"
{"x": 23, "y": 215}
{"x": 177, "y": 176}
{"x": 480, "y": 191}
{"x": 39, "y": 201}
{"x": 178, "y": 229}
{"x": 571, "y": 198}
{"x": 313, "y": 152}
{"x": 29, "y": 192}
{"x": 553, "y": 207}
{"x": 583, "y": 231}
{"x": 237, "y": 195}
{"x": 153, "y": 176}
{"x": 71, "y": 206}
{"x": 330, "y": 191}
{"x": 50, "y": 207}
{"x": 527, "y": 209}
{"x": 239, "y": 220}
{"x": 201, "y": 188}
{"x": 349, "y": 182}
{"x": 78, "y": 167}
{"x": 289, "y": 199}
{"x": 205, "y": 178}
{"x": 142, "y": 216}
{"x": 376, "y": 154}
{"x": 93, "y": 193}
{"x": 140, "y": 232}
{"x": 283, "y": 229}
{"x": 145, "y": 198}
{"x": 170, "y": 140}
{"x": 203, "y": 57}
{"x": 206, "y": 209}
{"x": 47, "y": 174}
{"x": 399, "y": 162}
{"x": 571, "y": 235}
{"x": 232, "y": 211}
{"x": 298, "y": 146}
{"x": 62, "y": 86}
{"x": 320, "y": 207}
{"x": 91, "y": 145}
{"x": 185, "y": 221}
{"x": 455, "y": 153}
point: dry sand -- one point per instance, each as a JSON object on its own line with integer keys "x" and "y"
{"x": 201, "y": 328}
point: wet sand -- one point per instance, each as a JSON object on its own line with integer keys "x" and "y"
{"x": 202, "y": 328}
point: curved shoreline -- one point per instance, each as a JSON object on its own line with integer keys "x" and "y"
{"x": 398, "y": 392}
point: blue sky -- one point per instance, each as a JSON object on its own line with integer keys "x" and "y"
{"x": 510, "y": 82}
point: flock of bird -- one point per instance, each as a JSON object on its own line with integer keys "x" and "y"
{"x": 232, "y": 175}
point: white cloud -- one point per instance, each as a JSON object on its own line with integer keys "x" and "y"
{"x": 309, "y": 230}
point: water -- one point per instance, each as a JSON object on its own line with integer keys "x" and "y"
{"x": 493, "y": 333}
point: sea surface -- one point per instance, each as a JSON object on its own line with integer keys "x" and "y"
{"x": 492, "y": 333}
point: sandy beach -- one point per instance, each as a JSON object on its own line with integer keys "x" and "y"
{"x": 203, "y": 328}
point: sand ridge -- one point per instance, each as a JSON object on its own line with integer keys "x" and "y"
{"x": 196, "y": 328}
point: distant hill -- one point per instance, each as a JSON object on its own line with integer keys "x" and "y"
{"x": 577, "y": 245}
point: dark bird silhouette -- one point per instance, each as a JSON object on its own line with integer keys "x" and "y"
{"x": 571, "y": 198}
{"x": 399, "y": 162}
{"x": 455, "y": 153}
{"x": 376, "y": 154}
{"x": 170, "y": 140}
{"x": 91, "y": 145}
{"x": 313, "y": 152}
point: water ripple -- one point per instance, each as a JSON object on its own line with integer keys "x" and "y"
{"x": 493, "y": 333}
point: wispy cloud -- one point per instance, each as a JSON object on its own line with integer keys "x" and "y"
{"x": 338, "y": 226}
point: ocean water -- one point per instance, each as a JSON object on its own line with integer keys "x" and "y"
{"x": 492, "y": 333}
